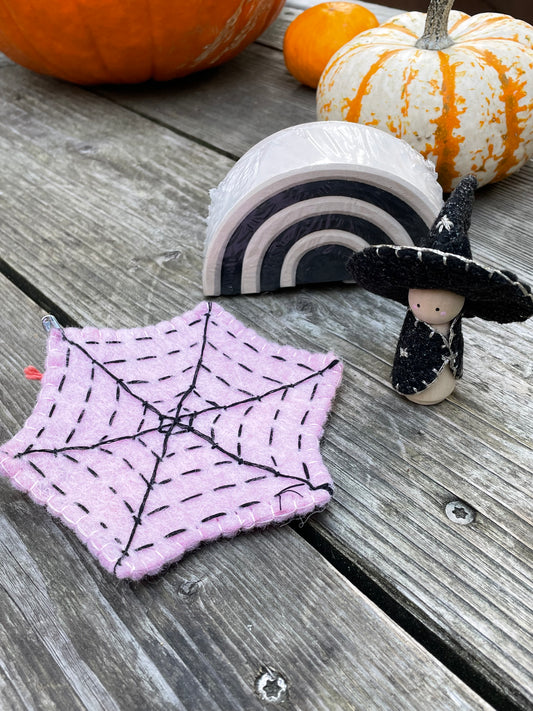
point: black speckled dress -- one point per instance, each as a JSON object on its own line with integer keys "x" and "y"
{"x": 422, "y": 353}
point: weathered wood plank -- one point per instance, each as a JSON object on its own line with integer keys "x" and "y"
{"x": 273, "y": 36}
{"x": 408, "y": 463}
{"x": 93, "y": 209}
{"x": 249, "y": 97}
{"x": 202, "y": 635}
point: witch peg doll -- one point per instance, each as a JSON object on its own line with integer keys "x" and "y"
{"x": 440, "y": 283}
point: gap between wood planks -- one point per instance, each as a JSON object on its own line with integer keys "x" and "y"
{"x": 378, "y": 594}
{"x": 167, "y": 126}
{"x": 456, "y": 663}
{"x": 35, "y": 294}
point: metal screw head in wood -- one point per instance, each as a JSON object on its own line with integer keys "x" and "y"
{"x": 271, "y": 687}
{"x": 459, "y": 512}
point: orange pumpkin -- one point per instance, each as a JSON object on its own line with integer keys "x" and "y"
{"x": 129, "y": 41}
{"x": 459, "y": 89}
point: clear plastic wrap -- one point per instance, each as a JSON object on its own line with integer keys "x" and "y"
{"x": 320, "y": 182}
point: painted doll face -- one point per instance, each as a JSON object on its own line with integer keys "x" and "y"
{"x": 435, "y": 306}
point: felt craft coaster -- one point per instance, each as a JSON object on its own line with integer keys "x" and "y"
{"x": 148, "y": 441}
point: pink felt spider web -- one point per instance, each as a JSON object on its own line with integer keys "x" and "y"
{"x": 148, "y": 441}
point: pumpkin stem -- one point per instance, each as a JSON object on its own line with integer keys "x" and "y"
{"x": 436, "y": 28}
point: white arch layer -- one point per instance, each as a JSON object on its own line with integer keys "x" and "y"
{"x": 312, "y": 241}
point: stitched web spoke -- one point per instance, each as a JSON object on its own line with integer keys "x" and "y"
{"x": 157, "y": 363}
{"x": 98, "y": 489}
{"x": 89, "y": 408}
{"x": 277, "y": 434}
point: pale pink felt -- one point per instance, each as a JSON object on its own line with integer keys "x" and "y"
{"x": 148, "y": 441}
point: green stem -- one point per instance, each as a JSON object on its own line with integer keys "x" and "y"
{"x": 436, "y": 29}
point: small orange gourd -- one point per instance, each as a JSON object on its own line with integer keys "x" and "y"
{"x": 317, "y": 33}
{"x": 127, "y": 41}
{"x": 459, "y": 89}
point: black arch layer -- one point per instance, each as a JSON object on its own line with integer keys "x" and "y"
{"x": 326, "y": 262}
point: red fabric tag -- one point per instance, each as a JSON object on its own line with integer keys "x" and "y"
{"x": 32, "y": 373}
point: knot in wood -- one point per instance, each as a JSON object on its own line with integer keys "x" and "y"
{"x": 189, "y": 588}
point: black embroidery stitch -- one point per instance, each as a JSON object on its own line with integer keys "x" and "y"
{"x": 175, "y": 533}
{"x": 158, "y": 509}
{"x": 217, "y": 515}
{"x": 189, "y": 498}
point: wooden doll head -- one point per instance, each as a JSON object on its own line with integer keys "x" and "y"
{"x": 435, "y": 306}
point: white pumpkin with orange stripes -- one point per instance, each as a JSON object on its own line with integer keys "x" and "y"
{"x": 459, "y": 89}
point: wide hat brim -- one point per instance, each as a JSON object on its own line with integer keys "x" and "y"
{"x": 391, "y": 270}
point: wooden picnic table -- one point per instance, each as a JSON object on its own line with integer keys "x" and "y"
{"x": 379, "y": 602}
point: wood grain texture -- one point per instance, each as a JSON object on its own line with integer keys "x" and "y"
{"x": 4, "y": 61}
{"x": 202, "y": 634}
{"x": 104, "y": 212}
{"x": 470, "y": 584}
{"x": 250, "y": 97}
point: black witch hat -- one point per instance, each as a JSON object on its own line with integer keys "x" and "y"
{"x": 444, "y": 261}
